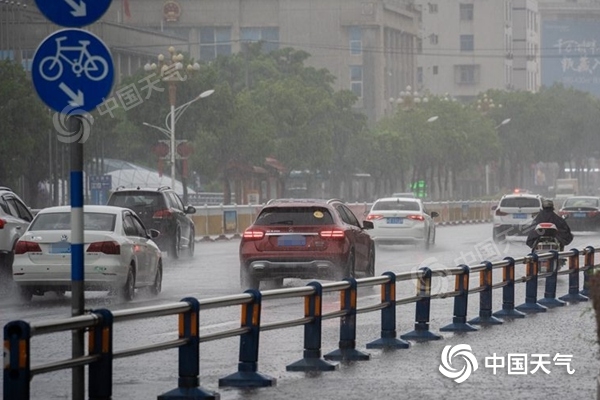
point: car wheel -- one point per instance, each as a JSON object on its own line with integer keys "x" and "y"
{"x": 175, "y": 245}
{"x": 347, "y": 270}
{"x": 247, "y": 280}
{"x": 371, "y": 265}
{"x": 128, "y": 290}
{"x": 25, "y": 294}
{"x": 191, "y": 245}
{"x": 156, "y": 287}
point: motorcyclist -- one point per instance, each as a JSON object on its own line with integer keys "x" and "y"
{"x": 547, "y": 214}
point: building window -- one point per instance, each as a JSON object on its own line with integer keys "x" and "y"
{"x": 467, "y": 43}
{"x": 467, "y": 74}
{"x": 420, "y": 75}
{"x": 466, "y": 12}
{"x": 356, "y": 80}
{"x": 214, "y": 42}
{"x": 435, "y": 69}
{"x": 268, "y": 36}
{"x": 355, "y": 34}
{"x": 433, "y": 8}
{"x": 433, "y": 38}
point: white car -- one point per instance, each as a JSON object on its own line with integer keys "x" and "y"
{"x": 514, "y": 214}
{"x": 402, "y": 220}
{"x": 119, "y": 253}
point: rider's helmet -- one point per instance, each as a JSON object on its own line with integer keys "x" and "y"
{"x": 547, "y": 204}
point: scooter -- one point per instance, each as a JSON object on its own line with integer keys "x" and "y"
{"x": 546, "y": 242}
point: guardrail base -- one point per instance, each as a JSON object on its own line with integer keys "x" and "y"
{"x": 573, "y": 298}
{"x": 196, "y": 393}
{"x": 458, "y": 327}
{"x": 531, "y": 308}
{"x": 247, "y": 379}
{"x": 551, "y": 302}
{"x": 388, "y": 343}
{"x": 312, "y": 364}
{"x": 509, "y": 314}
{"x": 419, "y": 335}
{"x": 489, "y": 320}
{"x": 347, "y": 355}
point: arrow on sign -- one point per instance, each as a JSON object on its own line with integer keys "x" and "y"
{"x": 76, "y": 98}
{"x": 79, "y": 9}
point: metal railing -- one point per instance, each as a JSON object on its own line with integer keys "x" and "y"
{"x": 99, "y": 323}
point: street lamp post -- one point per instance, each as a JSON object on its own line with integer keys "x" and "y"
{"x": 170, "y": 71}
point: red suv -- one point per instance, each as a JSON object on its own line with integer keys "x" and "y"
{"x": 306, "y": 239}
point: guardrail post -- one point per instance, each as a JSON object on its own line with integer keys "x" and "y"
{"x": 388, "y": 338}
{"x": 550, "y": 299}
{"x": 247, "y": 375}
{"x": 588, "y": 268}
{"x": 531, "y": 305}
{"x": 100, "y": 343}
{"x": 347, "y": 345}
{"x": 188, "y": 384}
{"x": 485, "y": 299}
{"x": 17, "y": 360}
{"x": 573, "y": 296}
{"x": 461, "y": 301}
{"x": 312, "y": 361}
{"x": 422, "y": 309}
{"x": 508, "y": 292}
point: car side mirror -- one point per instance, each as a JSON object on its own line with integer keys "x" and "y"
{"x": 434, "y": 214}
{"x": 153, "y": 233}
{"x": 190, "y": 210}
{"x": 368, "y": 225}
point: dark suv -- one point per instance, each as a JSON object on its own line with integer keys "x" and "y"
{"x": 307, "y": 239}
{"x": 163, "y": 210}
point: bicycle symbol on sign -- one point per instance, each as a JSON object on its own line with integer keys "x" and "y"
{"x": 94, "y": 67}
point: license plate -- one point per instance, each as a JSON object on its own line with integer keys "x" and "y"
{"x": 579, "y": 215}
{"x": 291, "y": 240}
{"x": 520, "y": 216}
{"x": 60, "y": 248}
{"x": 394, "y": 220}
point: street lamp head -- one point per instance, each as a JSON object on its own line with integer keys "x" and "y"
{"x": 171, "y": 49}
{"x": 196, "y": 66}
{"x": 178, "y": 65}
{"x": 206, "y": 93}
{"x": 434, "y": 118}
{"x": 161, "y": 57}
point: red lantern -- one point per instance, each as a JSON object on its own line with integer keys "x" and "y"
{"x": 161, "y": 149}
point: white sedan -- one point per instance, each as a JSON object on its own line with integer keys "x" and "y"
{"x": 119, "y": 253}
{"x": 402, "y": 220}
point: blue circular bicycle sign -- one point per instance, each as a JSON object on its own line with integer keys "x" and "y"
{"x": 72, "y": 71}
{"x": 73, "y": 13}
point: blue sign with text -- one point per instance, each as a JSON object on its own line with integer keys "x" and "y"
{"x": 72, "y": 71}
{"x": 73, "y": 13}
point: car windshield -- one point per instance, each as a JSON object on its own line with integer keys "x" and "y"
{"x": 137, "y": 200}
{"x": 62, "y": 221}
{"x": 295, "y": 216}
{"x": 396, "y": 205}
{"x": 575, "y": 202}
{"x": 520, "y": 202}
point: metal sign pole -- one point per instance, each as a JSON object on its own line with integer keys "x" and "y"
{"x": 77, "y": 240}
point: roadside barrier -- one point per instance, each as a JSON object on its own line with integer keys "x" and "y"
{"x": 224, "y": 222}
{"x": 99, "y": 324}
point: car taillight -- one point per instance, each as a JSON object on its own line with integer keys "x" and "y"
{"x": 24, "y": 246}
{"x": 2, "y": 223}
{"x": 166, "y": 213}
{"x": 108, "y": 247}
{"x": 332, "y": 234}
{"x": 253, "y": 234}
{"x": 500, "y": 213}
{"x": 416, "y": 217}
{"x": 373, "y": 217}
{"x": 593, "y": 213}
